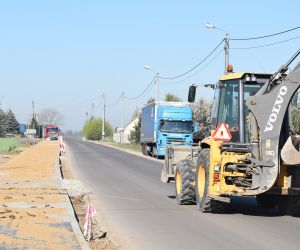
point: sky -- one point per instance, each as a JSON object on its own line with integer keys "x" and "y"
{"x": 65, "y": 54}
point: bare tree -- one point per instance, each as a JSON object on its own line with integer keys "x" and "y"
{"x": 172, "y": 98}
{"x": 50, "y": 116}
{"x": 202, "y": 115}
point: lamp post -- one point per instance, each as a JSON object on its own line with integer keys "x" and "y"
{"x": 103, "y": 118}
{"x": 122, "y": 132}
{"x": 226, "y": 42}
{"x": 156, "y": 82}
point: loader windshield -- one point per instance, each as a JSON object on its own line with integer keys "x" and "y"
{"x": 228, "y": 105}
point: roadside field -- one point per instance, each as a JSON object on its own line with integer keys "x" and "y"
{"x": 12, "y": 146}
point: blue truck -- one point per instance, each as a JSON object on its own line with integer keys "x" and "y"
{"x": 164, "y": 123}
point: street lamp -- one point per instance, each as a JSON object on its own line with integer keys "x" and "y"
{"x": 226, "y": 45}
{"x": 103, "y": 119}
{"x": 156, "y": 81}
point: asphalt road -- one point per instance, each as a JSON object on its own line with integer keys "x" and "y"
{"x": 142, "y": 211}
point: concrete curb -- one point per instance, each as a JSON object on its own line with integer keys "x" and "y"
{"x": 75, "y": 226}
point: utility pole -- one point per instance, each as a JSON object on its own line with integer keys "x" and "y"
{"x": 93, "y": 108}
{"x": 226, "y": 45}
{"x": 103, "y": 118}
{"x": 33, "y": 109}
{"x": 122, "y": 132}
{"x": 157, "y": 86}
{"x": 226, "y": 49}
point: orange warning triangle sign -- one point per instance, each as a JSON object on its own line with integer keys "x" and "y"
{"x": 222, "y": 133}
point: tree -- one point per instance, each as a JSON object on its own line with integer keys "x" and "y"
{"x": 51, "y": 116}
{"x": 172, "y": 98}
{"x": 136, "y": 112}
{"x": 12, "y": 123}
{"x": 134, "y": 135}
{"x": 33, "y": 123}
{"x": 92, "y": 129}
{"x": 202, "y": 111}
{"x": 3, "y": 123}
{"x": 150, "y": 100}
{"x": 295, "y": 120}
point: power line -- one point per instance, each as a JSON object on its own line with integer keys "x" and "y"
{"x": 190, "y": 70}
{"x": 260, "y": 37}
{"x": 143, "y": 92}
{"x": 141, "y": 97}
{"x": 267, "y": 45}
{"x": 114, "y": 103}
{"x": 180, "y": 81}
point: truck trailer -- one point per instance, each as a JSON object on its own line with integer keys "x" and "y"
{"x": 166, "y": 123}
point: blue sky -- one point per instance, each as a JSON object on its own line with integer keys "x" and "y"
{"x": 58, "y": 53}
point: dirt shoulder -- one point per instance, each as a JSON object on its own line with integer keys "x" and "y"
{"x": 80, "y": 198}
{"x": 35, "y": 210}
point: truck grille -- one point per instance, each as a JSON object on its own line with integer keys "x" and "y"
{"x": 170, "y": 140}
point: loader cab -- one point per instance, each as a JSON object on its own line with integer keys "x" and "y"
{"x": 231, "y": 93}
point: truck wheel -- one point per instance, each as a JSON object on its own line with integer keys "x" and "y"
{"x": 163, "y": 177}
{"x": 204, "y": 201}
{"x": 184, "y": 179}
{"x": 266, "y": 200}
{"x": 154, "y": 151}
{"x": 144, "y": 149}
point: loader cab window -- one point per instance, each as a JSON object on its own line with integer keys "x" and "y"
{"x": 228, "y": 104}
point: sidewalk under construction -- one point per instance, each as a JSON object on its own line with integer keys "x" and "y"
{"x": 35, "y": 211}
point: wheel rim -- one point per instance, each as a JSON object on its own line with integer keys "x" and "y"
{"x": 201, "y": 181}
{"x": 178, "y": 182}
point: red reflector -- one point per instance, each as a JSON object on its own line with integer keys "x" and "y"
{"x": 216, "y": 175}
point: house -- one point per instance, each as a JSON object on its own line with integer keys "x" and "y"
{"x": 120, "y": 134}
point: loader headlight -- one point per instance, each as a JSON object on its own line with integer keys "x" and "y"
{"x": 247, "y": 78}
{"x": 217, "y": 168}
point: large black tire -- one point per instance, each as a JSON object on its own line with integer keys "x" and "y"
{"x": 289, "y": 205}
{"x": 204, "y": 201}
{"x": 184, "y": 180}
{"x": 144, "y": 149}
{"x": 267, "y": 200}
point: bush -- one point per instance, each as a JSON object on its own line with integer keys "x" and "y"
{"x": 134, "y": 136}
{"x": 92, "y": 130}
{"x": 295, "y": 126}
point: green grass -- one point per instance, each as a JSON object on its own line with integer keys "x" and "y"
{"x": 11, "y": 146}
{"x": 129, "y": 146}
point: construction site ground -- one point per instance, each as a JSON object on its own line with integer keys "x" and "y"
{"x": 80, "y": 197}
{"x": 35, "y": 209}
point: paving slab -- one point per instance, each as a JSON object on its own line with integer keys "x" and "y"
{"x": 35, "y": 209}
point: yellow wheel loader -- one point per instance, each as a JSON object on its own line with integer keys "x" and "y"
{"x": 251, "y": 150}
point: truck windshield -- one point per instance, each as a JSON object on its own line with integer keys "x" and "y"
{"x": 53, "y": 130}
{"x": 185, "y": 127}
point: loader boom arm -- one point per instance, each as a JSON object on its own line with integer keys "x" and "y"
{"x": 269, "y": 107}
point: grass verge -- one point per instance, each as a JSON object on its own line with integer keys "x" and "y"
{"x": 129, "y": 146}
{"x": 12, "y": 146}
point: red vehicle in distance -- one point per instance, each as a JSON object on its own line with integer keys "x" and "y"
{"x": 52, "y": 132}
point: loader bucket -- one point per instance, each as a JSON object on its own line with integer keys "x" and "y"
{"x": 290, "y": 154}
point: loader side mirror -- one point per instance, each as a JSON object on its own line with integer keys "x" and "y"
{"x": 192, "y": 93}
